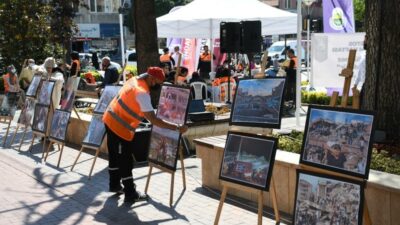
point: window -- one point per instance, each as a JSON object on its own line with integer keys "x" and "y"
{"x": 105, "y": 6}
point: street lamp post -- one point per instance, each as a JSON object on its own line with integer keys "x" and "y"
{"x": 308, "y": 3}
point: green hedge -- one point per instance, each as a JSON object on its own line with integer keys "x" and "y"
{"x": 319, "y": 98}
{"x": 379, "y": 161}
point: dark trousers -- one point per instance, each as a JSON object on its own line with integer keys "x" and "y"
{"x": 120, "y": 162}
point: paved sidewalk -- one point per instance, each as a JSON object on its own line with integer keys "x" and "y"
{"x": 32, "y": 192}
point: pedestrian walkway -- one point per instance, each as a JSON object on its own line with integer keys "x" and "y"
{"x": 34, "y": 192}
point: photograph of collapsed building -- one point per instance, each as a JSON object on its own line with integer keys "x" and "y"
{"x": 106, "y": 97}
{"x": 248, "y": 160}
{"x": 163, "y": 148}
{"x": 97, "y": 130}
{"x": 258, "y": 102}
{"x": 338, "y": 140}
{"x": 326, "y": 200}
{"x": 173, "y": 104}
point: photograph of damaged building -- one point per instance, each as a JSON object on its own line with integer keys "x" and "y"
{"x": 338, "y": 139}
{"x": 258, "y": 102}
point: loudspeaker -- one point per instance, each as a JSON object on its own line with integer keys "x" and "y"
{"x": 251, "y": 38}
{"x": 229, "y": 37}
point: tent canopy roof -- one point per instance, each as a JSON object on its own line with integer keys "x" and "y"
{"x": 202, "y": 18}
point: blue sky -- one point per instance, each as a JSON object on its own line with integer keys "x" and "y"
{"x": 260, "y": 87}
{"x": 339, "y": 117}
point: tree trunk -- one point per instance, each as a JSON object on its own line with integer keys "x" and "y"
{"x": 382, "y": 84}
{"x": 146, "y": 34}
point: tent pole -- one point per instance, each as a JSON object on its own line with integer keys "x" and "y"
{"x": 298, "y": 75}
{"x": 211, "y": 46}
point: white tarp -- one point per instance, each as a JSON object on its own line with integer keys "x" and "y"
{"x": 329, "y": 54}
{"x": 202, "y": 18}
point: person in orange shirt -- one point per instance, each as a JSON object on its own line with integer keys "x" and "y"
{"x": 167, "y": 58}
{"x": 223, "y": 75}
{"x": 204, "y": 65}
{"x": 10, "y": 80}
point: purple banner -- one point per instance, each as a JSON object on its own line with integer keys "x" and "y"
{"x": 338, "y": 16}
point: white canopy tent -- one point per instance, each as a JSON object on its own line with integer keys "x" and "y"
{"x": 202, "y": 18}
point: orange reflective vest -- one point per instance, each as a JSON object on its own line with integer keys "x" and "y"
{"x": 9, "y": 84}
{"x": 165, "y": 58}
{"x": 123, "y": 115}
{"x": 205, "y": 57}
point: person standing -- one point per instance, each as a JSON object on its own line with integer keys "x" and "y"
{"x": 10, "y": 80}
{"x": 291, "y": 77}
{"x": 75, "y": 67}
{"x": 95, "y": 61}
{"x": 204, "y": 65}
{"x": 110, "y": 72}
{"x": 26, "y": 74}
{"x": 175, "y": 55}
{"x": 167, "y": 58}
{"x": 360, "y": 78}
{"x": 122, "y": 117}
{"x": 55, "y": 75}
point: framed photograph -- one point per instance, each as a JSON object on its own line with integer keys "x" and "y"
{"x": 27, "y": 112}
{"x": 34, "y": 86}
{"x": 163, "y": 150}
{"x": 248, "y": 160}
{"x": 324, "y": 199}
{"x": 68, "y": 97}
{"x": 173, "y": 104}
{"x": 338, "y": 139}
{"x": 258, "y": 102}
{"x": 95, "y": 134}
{"x": 8, "y": 106}
{"x": 106, "y": 97}
{"x": 59, "y": 125}
{"x": 45, "y": 92}
{"x": 40, "y": 118}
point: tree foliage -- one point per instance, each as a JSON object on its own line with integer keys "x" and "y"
{"x": 34, "y": 29}
{"x": 164, "y": 6}
{"x": 359, "y": 14}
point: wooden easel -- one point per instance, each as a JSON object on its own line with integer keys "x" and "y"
{"x": 171, "y": 195}
{"x": 53, "y": 141}
{"x": 36, "y": 134}
{"x": 260, "y": 194}
{"x": 348, "y": 74}
{"x": 94, "y": 160}
{"x": 23, "y": 136}
{"x": 6, "y": 120}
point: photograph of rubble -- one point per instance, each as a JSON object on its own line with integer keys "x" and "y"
{"x": 106, "y": 97}
{"x": 324, "y": 200}
{"x": 163, "y": 150}
{"x": 173, "y": 104}
{"x": 248, "y": 160}
{"x": 338, "y": 139}
{"x": 34, "y": 86}
{"x": 258, "y": 102}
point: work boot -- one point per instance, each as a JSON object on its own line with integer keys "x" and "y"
{"x": 136, "y": 197}
{"x": 115, "y": 182}
{"x": 131, "y": 195}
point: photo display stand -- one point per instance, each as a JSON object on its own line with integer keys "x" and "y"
{"x": 26, "y": 116}
{"x": 93, "y": 139}
{"x": 348, "y": 72}
{"x": 8, "y": 108}
{"x": 96, "y": 131}
{"x": 165, "y": 147}
{"x": 240, "y": 116}
{"x": 25, "y": 119}
{"x": 43, "y": 107}
{"x": 58, "y": 131}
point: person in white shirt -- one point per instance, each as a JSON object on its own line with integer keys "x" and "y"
{"x": 175, "y": 55}
{"x": 360, "y": 77}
